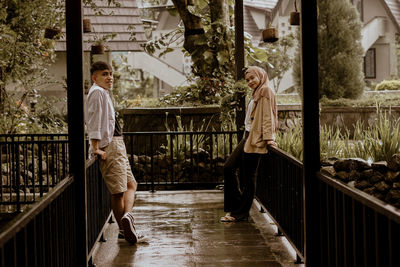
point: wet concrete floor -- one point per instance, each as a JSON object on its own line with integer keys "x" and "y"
{"x": 184, "y": 230}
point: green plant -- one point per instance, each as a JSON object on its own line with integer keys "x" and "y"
{"x": 340, "y": 54}
{"x": 374, "y": 143}
{"x": 292, "y": 141}
{"x": 279, "y": 59}
{"x": 97, "y": 39}
{"x": 388, "y": 85}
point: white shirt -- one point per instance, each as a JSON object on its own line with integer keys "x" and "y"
{"x": 99, "y": 115}
{"x": 247, "y": 120}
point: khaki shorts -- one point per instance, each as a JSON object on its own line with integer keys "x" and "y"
{"x": 115, "y": 169}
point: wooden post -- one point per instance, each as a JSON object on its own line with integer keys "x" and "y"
{"x": 239, "y": 61}
{"x": 76, "y": 131}
{"x": 309, "y": 41}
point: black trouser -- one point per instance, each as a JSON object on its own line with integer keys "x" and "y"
{"x": 239, "y": 190}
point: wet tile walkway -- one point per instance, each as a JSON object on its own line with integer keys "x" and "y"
{"x": 184, "y": 230}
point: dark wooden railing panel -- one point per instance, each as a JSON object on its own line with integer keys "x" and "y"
{"x": 98, "y": 203}
{"x": 357, "y": 229}
{"x": 43, "y": 235}
{"x": 179, "y": 160}
{"x": 280, "y": 190}
{"x": 30, "y": 169}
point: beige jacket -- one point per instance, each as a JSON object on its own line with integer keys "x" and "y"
{"x": 264, "y": 122}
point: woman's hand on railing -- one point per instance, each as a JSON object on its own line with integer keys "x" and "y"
{"x": 272, "y": 143}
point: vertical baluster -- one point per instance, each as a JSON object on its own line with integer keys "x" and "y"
{"x": 40, "y": 174}
{"x": 152, "y": 162}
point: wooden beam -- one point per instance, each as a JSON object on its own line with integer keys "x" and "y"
{"x": 311, "y": 146}
{"x": 76, "y": 131}
{"x": 239, "y": 61}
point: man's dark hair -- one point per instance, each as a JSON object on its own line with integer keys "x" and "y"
{"x": 100, "y": 65}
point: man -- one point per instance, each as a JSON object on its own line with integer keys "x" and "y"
{"x": 106, "y": 142}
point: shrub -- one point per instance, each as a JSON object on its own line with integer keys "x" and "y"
{"x": 388, "y": 85}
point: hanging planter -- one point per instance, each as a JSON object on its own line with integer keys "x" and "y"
{"x": 270, "y": 35}
{"x": 52, "y": 33}
{"x": 295, "y": 16}
{"x": 87, "y": 26}
{"x": 97, "y": 49}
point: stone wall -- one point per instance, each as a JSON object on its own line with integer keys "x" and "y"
{"x": 379, "y": 179}
{"x": 154, "y": 119}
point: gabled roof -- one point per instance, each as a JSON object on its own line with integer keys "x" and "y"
{"x": 393, "y": 8}
{"x": 261, "y": 4}
{"x": 120, "y": 19}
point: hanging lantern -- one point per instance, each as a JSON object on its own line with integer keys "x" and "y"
{"x": 87, "y": 25}
{"x": 294, "y": 16}
{"x": 270, "y": 35}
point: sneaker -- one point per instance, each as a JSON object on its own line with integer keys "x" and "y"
{"x": 129, "y": 228}
{"x": 121, "y": 234}
{"x": 142, "y": 238}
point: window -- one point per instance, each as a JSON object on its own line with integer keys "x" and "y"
{"x": 370, "y": 64}
{"x": 359, "y": 6}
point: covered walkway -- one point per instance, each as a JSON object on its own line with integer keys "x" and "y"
{"x": 184, "y": 230}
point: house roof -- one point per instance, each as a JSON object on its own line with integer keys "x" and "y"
{"x": 261, "y": 4}
{"x": 114, "y": 20}
{"x": 393, "y": 6}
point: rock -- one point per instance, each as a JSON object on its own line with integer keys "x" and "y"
{"x": 394, "y": 162}
{"x": 290, "y": 124}
{"x": 369, "y": 190}
{"x": 143, "y": 159}
{"x": 201, "y": 155}
{"x": 362, "y": 184}
{"x": 28, "y": 175}
{"x": 382, "y": 186}
{"x": 351, "y": 183}
{"x": 376, "y": 177}
{"x": 328, "y": 161}
{"x": 380, "y": 166}
{"x": 328, "y": 170}
{"x": 351, "y": 164}
{"x": 392, "y": 176}
{"x": 367, "y": 174}
{"x": 379, "y": 195}
{"x": 354, "y": 175}
{"x": 393, "y": 196}
{"x": 344, "y": 176}
{"x": 396, "y": 185}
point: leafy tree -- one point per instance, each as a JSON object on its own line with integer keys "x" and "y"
{"x": 279, "y": 59}
{"x": 340, "y": 53}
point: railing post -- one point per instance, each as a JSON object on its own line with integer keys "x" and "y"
{"x": 239, "y": 63}
{"x": 73, "y": 15}
{"x": 309, "y": 48}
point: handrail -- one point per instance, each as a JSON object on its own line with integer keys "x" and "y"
{"x": 284, "y": 154}
{"x": 24, "y": 218}
{"x": 376, "y": 204}
{"x": 180, "y": 132}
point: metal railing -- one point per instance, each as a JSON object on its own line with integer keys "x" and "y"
{"x": 98, "y": 204}
{"x": 356, "y": 229}
{"x": 179, "y": 160}
{"x": 45, "y": 233}
{"x": 30, "y": 167}
{"x": 280, "y": 190}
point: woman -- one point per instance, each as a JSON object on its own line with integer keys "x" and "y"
{"x": 260, "y": 128}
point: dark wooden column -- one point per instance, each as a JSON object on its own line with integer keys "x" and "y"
{"x": 239, "y": 60}
{"x": 76, "y": 131}
{"x": 309, "y": 40}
